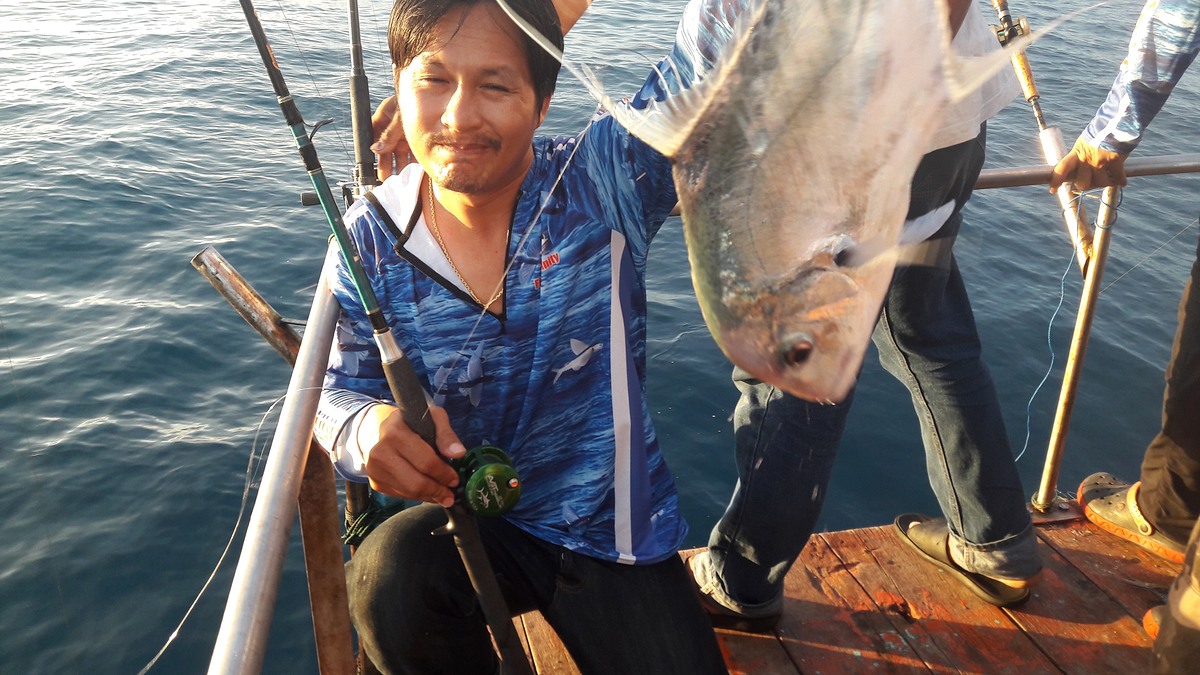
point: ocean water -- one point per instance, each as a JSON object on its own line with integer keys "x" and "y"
{"x": 133, "y": 134}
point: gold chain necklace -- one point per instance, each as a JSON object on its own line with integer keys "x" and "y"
{"x": 437, "y": 234}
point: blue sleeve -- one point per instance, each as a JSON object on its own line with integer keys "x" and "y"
{"x": 354, "y": 378}
{"x": 1165, "y": 41}
{"x": 704, "y": 28}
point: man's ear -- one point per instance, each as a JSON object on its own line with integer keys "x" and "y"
{"x": 545, "y": 109}
{"x": 396, "y": 70}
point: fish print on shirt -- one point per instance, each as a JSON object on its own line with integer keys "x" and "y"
{"x": 351, "y": 348}
{"x": 470, "y": 380}
{"x": 583, "y": 354}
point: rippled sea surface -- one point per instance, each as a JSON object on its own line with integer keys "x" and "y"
{"x": 133, "y": 134}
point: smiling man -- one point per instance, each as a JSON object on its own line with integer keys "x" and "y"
{"x": 511, "y": 270}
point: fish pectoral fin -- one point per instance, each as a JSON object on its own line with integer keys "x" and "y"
{"x": 864, "y": 252}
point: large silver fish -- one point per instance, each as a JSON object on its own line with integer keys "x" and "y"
{"x": 793, "y": 160}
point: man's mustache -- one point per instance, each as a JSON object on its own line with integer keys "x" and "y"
{"x": 491, "y": 142}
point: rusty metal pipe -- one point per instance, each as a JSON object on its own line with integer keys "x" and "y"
{"x": 1106, "y": 215}
{"x": 1134, "y": 167}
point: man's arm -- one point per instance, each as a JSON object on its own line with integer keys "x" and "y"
{"x": 1164, "y": 43}
{"x": 957, "y": 13}
{"x": 353, "y": 418}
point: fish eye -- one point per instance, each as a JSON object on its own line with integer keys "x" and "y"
{"x": 844, "y": 257}
{"x": 841, "y": 249}
{"x": 798, "y": 351}
{"x": 847, "y": 252}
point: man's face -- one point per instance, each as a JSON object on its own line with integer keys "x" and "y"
{"x": 468, "y": 103}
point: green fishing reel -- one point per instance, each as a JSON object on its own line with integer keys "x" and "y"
{"x": 489, "y": 484}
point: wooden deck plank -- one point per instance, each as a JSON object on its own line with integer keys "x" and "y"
{"x": 549, "y": 654}
{"x": 1133, "y": 577}
{"x": 1087, "y": 607}
{"x": 862, "y": 601}
{"x": 830, "y": 621}
{"x": 1079, "y": 627}
{"x": 750, "y": 654}
{"x": 947, "y": 625}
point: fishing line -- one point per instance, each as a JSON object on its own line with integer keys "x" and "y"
{"x": 253, "y": 465}
{"x": 1050, "y": 346}
{"x": 39, "y": 480}
{"x": 1062, "y": 294}
{"x": 591, "y": 83}
{"x": 1151, "y": 254}
{"x": 520, "y": 244}
{"x": 313, "y": 79}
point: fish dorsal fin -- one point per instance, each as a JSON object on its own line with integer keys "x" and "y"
{"x": 666, "y": 125}
{"x": 966, "y": 74}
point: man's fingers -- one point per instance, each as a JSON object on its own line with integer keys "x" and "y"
{"x": 447, "y": 441}
{"x": 1064, "y": 171}
{"x": 1116, "y": 171}
{"x": 410, "y": 477}
{"x": 390, "y": 147}
{"x": 382, "y": 117}
{"x": 415, "y": 487}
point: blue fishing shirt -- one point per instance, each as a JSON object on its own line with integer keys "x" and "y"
{"x": 1165, "y": 41}
{"x": 558, "y": 380}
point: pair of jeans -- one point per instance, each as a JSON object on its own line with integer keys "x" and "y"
{"x": 416, "y": 612}
{"x": 1170, "y": 492}
{"x": 926, "y": 338}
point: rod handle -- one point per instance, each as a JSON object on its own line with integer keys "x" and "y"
{"x": 406, "y": 390}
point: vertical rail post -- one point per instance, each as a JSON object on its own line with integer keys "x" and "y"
{"x": 1106, "y": 215}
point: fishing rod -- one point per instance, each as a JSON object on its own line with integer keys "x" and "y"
{"x": 1053, "y": 148}
{"x": 363, "y": 174}
{"x": 1091, "y": 251}
{"x": 401, "y": 379}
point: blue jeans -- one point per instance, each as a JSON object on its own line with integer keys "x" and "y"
{"x": 416, "y": 612}
{"x": 926, "y": 338}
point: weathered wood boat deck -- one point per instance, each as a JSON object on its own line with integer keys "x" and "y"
{"x": 861, "y": 601}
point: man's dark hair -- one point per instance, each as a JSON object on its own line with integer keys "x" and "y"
{"x": 410, "y": 32}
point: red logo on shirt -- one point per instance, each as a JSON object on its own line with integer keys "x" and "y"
{"x": 547, "y": 262}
